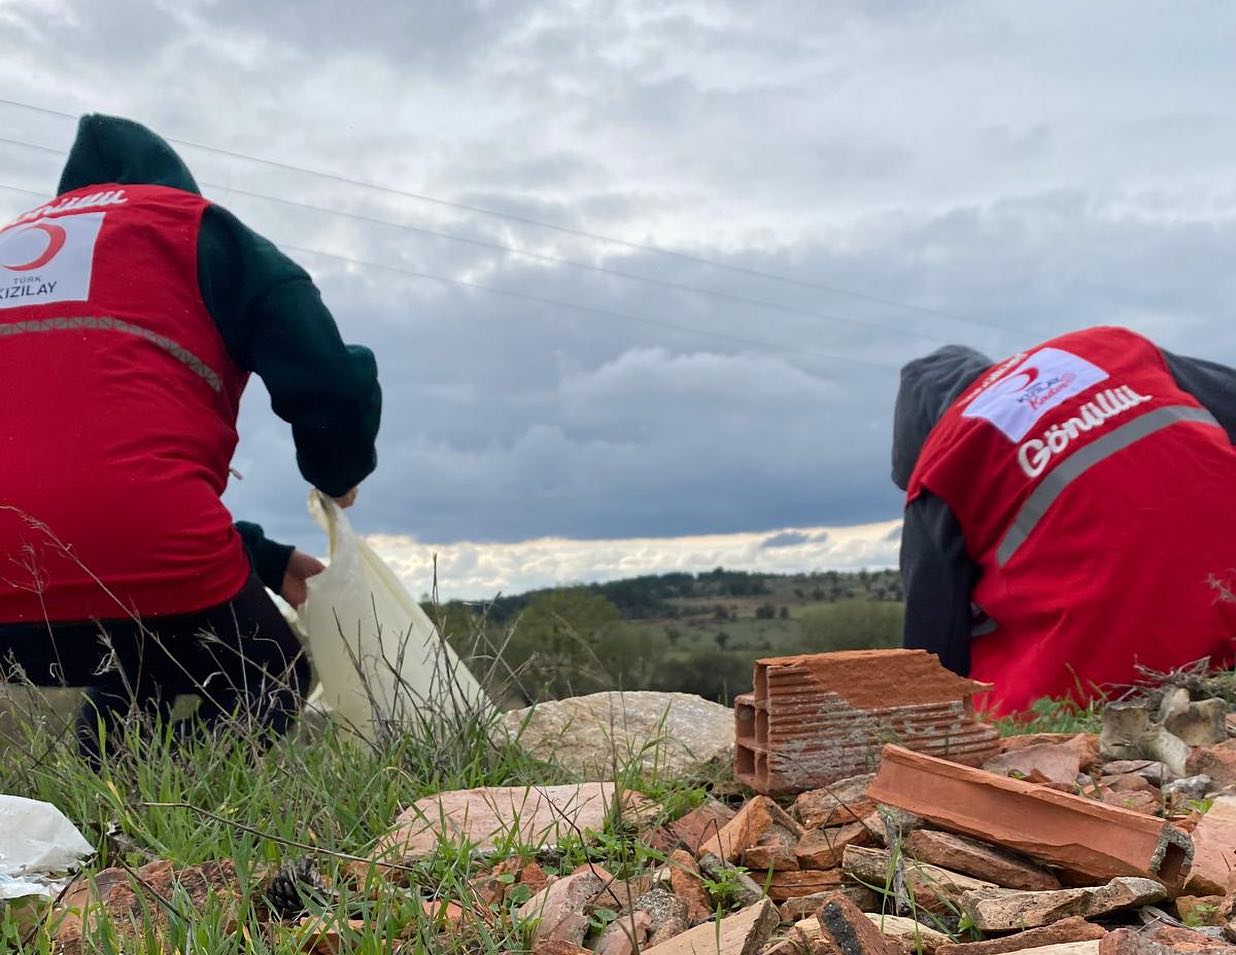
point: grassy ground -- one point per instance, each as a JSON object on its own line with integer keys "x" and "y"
{"x": 224, "y": 801}
{"x": 322, "y": 794}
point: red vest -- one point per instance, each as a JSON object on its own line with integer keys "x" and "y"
{"x": 1099, "y": 501}
{"x": 120, "y": 404}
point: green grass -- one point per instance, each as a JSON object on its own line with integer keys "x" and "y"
{"x": 1055, "y": 716}
{"x": 224, "y": 801}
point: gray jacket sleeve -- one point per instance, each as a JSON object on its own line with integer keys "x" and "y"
{"x": 1212, "y": 384}
{"x": 938, "y": 576}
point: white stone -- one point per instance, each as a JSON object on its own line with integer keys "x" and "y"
{"x": 594, "y": 735}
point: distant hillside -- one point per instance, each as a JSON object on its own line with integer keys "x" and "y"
{"x": 698, "y": 633}
{"x": 667, "y": 595}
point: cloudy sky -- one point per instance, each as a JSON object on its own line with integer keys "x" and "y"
{"x": 640, "y": 273}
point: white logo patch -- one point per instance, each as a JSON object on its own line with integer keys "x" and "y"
{"x": 1019, "y": 399}
{"x": 48, "y": 260}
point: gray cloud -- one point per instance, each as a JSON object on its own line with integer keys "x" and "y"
{"x": 1032, "y": 167}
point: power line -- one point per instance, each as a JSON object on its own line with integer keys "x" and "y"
{"x": 567, "y": 230}
{"x": 539, "y": 256}
{"x": 607, "y": 313}
{"x": 560, "y": 303}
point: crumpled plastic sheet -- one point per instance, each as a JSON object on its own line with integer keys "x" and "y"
{"x": 36, "y": 841}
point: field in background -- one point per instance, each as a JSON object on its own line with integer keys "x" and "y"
{"x": 695, "y": 633}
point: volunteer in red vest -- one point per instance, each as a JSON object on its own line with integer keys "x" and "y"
{"x": 132, "y": 312}
{"x": 1070, "y": 514}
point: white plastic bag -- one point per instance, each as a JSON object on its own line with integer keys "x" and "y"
{"x": 36, "y": 840}
{"x": 378, "y": 656}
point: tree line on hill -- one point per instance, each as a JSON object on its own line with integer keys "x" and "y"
{"x": 694, "y": 633}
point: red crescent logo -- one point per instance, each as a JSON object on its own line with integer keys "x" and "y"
{"x": 55, "y": 242}
{"x": 1019, "y": 381}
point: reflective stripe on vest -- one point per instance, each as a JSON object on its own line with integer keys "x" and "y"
{"x": 179, "y": 352}
{"x": 1053, "y": 485}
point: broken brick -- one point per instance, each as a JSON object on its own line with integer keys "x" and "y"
{"x": 1071, "y": 929}
{"x": 789, "y": 885}
{"x": 1135, "y": 800}
{"x": 1218, "y": 762}
{"x": 1183, "y": 939}
{"x": 774, "y": 850}
{"x": 1126, "y": 941}
{"x": 699, "y": 825}
{"x": 1214, "y": 849}
{"x": 742, "y": 933}
{"x": 803, "y": 906}
{"x": 1008, "y": 910}
{"x": 685, "y": 880}
{"x": 815, "y": 719}
{"x": 932, "y": 888}
{"x": 1061, "y": 829}
{"x": 824, "y": 848}
{"x": 1200, "y": 909}
{"x": 755, "y": 818}
{"x": 1086, "y": 745}
{"x": 562, "y": 908}
{"x": 486, "y": 818}
{"x": 1055, "y": 762}
{"x": 558, "y": 946}
{"x": 914, "y": 936}
{"x": 974, "y": 858}
{"x": 323, "y": 936}
{"x": 625, "y": 935}
{"x": 848, "y": 931}
{"x": 127, "y": 900}
{"x": 837, "y": 805}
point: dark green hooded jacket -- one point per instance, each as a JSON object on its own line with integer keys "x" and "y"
{"x": 270, "y": 316}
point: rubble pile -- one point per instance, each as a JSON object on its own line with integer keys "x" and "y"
{"x": 1118, "y": 843}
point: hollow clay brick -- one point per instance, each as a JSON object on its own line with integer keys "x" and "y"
{"x": 812, "y": 720}
{"x": 1075, "y": 833}
{"x": 976, "y": 859}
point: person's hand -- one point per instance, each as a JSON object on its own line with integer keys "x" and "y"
{"x": 301, "y": 567}
{"x": 347, "y": 500}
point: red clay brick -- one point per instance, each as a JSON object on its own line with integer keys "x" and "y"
{"x": 849, "y": 932}
{"x": 973, "y": 858}
{"x": 824, "y": 848}
{"x": 816, "y": 719}
{"x": 1061, "y": 829}
{"x": 1072, "y": 929}
{"x": 783, "y": 886}
{"x": 745, "y": 829}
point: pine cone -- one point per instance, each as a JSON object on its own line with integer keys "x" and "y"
{"x": 289, "y": 889}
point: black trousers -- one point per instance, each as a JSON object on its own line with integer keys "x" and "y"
{"x": 241, "y": 658}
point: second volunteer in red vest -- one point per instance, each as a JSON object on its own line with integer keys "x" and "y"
{"x": 1070, "y": 513}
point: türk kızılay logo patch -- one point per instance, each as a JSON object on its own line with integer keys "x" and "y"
{"x": 48, "y": 260}
{"x": 1043, "y": 381}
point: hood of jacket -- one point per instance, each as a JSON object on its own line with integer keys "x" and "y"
{"x": 109, "y": 149}
{"x": 928, "y": 386}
